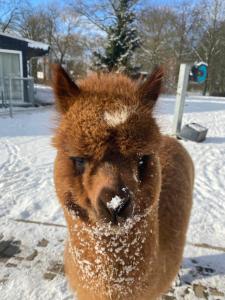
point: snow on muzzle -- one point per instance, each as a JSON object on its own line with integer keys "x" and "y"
{"x": 114, "y": 206}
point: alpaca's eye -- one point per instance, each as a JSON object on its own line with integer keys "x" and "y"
{"x": 143, "y": 166}
{"x": 79, "y": 164}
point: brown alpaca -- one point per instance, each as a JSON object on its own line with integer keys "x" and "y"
{"x": 126, "y": 190}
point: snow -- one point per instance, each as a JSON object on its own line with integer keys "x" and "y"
{"x": 27, "y": 193}
{"x": 115, "y": 202}
{"x": 201, "y": 63}
{"x": 37, "y": 45}
{"x": 196, "y": 126}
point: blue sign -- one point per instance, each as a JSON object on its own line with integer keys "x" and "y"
{"x": 199, "y": 72}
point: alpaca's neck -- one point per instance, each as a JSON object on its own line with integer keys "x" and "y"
{"x": 115, "y": 256}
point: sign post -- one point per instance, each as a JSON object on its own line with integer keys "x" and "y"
{"x": 180, "y": 97}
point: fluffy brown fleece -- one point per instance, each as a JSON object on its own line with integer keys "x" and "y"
{"x": 110, "y": 147}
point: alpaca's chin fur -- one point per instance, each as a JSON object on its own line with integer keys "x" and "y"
{"x": 114, "y": 257}
{"x": 123, "y": 227}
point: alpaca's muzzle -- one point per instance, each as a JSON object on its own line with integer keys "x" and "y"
{"x": 115, "y": 206}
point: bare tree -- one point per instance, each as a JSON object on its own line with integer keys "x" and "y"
{"x": 187, "y": 22}
{"x": 10, "y": 11}
{"x": 62, "y": 35}
{"x": 170, "y": 36}
{"x": 58, "y": 27}
{"x": 157, "y": 30}
{"x": 34, "y": 23}
{"x": 211, "y": 43}
{"x": 101, "y": 13}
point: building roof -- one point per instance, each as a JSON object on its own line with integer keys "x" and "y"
{"x": 31, "y": 44}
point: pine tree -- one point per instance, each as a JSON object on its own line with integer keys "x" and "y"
{"x": 122, "y": 41}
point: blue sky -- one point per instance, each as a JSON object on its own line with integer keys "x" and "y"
{"x": 156, "y": 2}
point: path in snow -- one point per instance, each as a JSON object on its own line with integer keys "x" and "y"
{"x": 27, "y": 193}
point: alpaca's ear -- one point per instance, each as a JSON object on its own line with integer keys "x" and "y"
{"x": 64, "y": 89}
{"x": 150, "y": 89}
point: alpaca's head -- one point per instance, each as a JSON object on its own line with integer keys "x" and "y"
{"x": 108, "y": 142}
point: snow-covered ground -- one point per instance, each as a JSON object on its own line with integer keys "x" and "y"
{"x": 31, "y": 253}
{"x": 43, "y": 95}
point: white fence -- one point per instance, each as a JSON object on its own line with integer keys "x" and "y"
{"x": 16, "y": 91}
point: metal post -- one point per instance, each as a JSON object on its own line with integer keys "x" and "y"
{"x": 180, "y": 97}
{"x": 31, "y": 90}
{"x": 10, "y": 98}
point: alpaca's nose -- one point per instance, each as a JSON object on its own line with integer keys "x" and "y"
{"x": 114, "y": 206}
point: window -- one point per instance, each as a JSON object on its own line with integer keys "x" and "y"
{"x": 10, "y": 66}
